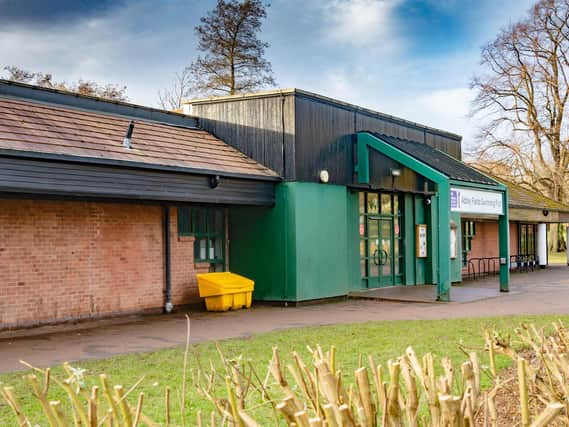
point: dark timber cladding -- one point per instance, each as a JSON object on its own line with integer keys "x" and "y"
{"x": 20, "y": 176}
{"x": 261, "y": 127}
{"x": 313, "y": 132}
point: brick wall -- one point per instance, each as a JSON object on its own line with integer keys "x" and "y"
{"x": 485, "y": 243}
{"x": 62, "y": 260}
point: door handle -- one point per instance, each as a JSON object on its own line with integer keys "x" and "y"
{"x": 385, "y": 257}
{"x": 376, "y": 257}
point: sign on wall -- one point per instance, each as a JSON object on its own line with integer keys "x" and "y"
{"x": 421, "y": 240}
{"x": 468, "y": 200}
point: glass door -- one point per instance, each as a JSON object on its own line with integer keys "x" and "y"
{"x": 380, "y": 248}
{"x": 380, "y": 239}
{"x": 386, "y": 251}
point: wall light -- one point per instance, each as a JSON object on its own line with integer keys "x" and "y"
{"x": 324, "y": 176}
{"x": 214, "y": 181}
{"x": 395, "y": 172}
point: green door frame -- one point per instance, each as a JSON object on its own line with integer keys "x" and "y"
{"x": 367, "y": 141}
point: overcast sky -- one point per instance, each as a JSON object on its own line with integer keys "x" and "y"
{"x": 409, "y": 58}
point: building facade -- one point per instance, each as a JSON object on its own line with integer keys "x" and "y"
{"x": 110, "y": 208}
{"x": 530, "y": 215}
{"x": 365, "y": 202}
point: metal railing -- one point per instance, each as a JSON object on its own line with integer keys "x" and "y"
{"x": 476, "y": 268}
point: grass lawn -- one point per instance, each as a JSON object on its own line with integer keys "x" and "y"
{"x": 384, "y": 340}
{"x": 557, "y": 257}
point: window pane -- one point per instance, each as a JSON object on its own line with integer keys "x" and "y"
{"x": 200, "y": 249}
{"x": 386, "y": 204}
{"x": 531, "y": 240}
{"x": 362, "y": 248}
{"x": 219, "y": 223}
{"x": 396, "y": 259}
{"x": 396, "y": 205}
{"x": 363, "y": 270}
{"x": 372, "y": 203}
{"x": 373, "y": 228}
{"x": 199, "y": 224}
{"x": 183, "y": 221}
{"x": 210, "y": 249}
{"x": 218, "y": 248}
{"x": 362, "y": 202}
{"x": 374, "y": 257}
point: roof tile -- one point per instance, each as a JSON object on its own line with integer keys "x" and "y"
{"x": 45, "y": 128}
{"x": 444, "y": 163}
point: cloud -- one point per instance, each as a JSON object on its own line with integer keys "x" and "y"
{"x": 447, "y": 109}
{"x": 138, "y": 45}
{"x": 47, "y": 13}
{"x": 361, "y": 22}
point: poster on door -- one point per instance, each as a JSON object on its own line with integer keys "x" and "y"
{"x": 421, "y": 240}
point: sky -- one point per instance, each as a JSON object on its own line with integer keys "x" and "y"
{"x": 408, "y": 58}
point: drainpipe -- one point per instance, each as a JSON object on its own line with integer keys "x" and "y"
{"x": 167, "y": 264}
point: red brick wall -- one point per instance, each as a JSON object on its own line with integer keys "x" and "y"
{"x": 485, "y": 243}
{"x": 63, "y": 260}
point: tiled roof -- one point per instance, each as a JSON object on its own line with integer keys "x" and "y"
{"x": 520, "y": 197}
{"x": 442, "y": 162}
{"x": 33, "y": 127}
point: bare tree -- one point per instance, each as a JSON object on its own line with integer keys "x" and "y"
{"x": 232, "y": 56}
{"x": 522, "y": 97}
{"x": 83, "y": 87}
{"x": 171, "y": 98}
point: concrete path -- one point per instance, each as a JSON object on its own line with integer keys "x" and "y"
{"x": 540, "y": 292}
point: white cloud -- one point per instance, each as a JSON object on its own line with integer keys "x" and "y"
{"x": 133, "y": 46}
{"x": 446, "y": 109}
{"x": 361, "y": 22}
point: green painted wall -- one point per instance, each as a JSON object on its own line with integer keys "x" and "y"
{"x": 415, "y": 212}
{"x": 324, "y": 240}
{"x": 304, "y": 248}
{"x": 257, "y": 248}
{"x": 307, "y": 246}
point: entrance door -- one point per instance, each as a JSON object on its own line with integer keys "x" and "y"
{"x": 380, "y": 241}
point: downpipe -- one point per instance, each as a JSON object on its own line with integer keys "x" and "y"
{"x": 168, "y": 306}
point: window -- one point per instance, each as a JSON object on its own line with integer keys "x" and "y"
{"x": 207, "y": 225}
{"x": 527, "y": 239}
{"x": 468, "y": 232}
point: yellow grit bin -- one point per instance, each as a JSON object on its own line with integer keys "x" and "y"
{"x": 225, "y": 291}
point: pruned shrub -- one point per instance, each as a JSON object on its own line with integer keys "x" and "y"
{"x": 314, "y": 391}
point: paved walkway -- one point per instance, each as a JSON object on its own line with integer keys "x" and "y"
{"x": 540, "y": 292}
